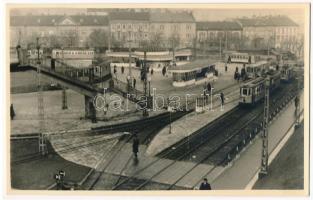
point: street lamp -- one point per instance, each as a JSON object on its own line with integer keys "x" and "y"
{"x": 129, "y": 70}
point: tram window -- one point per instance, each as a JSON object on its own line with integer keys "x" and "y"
{"x": 244, "y": 91}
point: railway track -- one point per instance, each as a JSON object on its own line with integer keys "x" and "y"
{"x": 206, "y": 148}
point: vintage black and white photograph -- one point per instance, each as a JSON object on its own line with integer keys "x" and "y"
{"x": 149, "y": 98}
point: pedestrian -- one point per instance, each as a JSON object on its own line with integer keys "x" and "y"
{"x": 238, "y": 77}
{"x": 243, "y": 73}
{"x": 209, "y": 88}
{"x": 134, "y": 83}
{"x": 122, "y": 69}
{"x": 164, "y": 71}
{"x": 222, "y": 99}
{"x": 151, "y": 71}
{"x": 12, "y": 113}
{"x": 225, "y": 67}
{"x": 296, "y": 102}
{"x": 277, "y": 67}
{"x": 135, "y": 145}
{"x": 237, "y": 69}
{"x": 205, "y": 185}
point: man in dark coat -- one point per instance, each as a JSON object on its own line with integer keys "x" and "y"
{"x": 12, "y": 113}
{"x": 122, "y": 69}
{"x": 164, "y": 71}
{"x": 205, "y": 185}
{"x": 222, "y": 100}
{"x": 209, "y": 88}
{"x": 134, "y": 83}
{"x": 135, "y": 145}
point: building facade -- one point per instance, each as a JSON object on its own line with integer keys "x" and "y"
{"x": 270, "y": 32}
{"x": 216, "y": 34}
{"x": 128, "y": 28}
{"x": 55, "y": 30}
{"x": 174, "y": 27}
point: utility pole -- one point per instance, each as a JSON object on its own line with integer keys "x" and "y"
{"x": 264, "y": 161}
{"x": 220, "y": 48}
{"x": 145, "y": 111}
{"x": 42, "y": 138}
{"x": 129, "y": 70}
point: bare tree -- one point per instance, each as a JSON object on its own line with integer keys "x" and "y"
{"x": 156, "y": 41}
{"x": 174, "y": 41}
{"x": 98, "y": 38}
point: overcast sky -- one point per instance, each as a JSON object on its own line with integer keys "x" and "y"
{"x": 200, "y": 14}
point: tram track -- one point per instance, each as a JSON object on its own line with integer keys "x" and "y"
{"x": 133, "y": 183}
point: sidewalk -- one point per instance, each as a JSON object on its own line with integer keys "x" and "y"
{"x": 190, "y": 123}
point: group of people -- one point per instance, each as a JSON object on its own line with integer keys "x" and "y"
{"x": 242, "y": 75}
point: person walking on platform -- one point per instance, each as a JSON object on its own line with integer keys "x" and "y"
{"x": 164, "y": 71}
{"x": 296, "y": 105}
{"x": 134, "y": 83}
{"x": 12, "y": 113}
{"x": 225, "y": 67}
{"x": 122, "y": 69}
{"x": 135, "y": 145}
{"x": 151, "y": 71}
{"x": 222, "y": 100}
{"x": 205, "y": 185}
{"x": 209, "y": 88}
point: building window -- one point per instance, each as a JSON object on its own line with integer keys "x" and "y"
{"x": 129, "y": 26}
{"x": 188, "y": 27}
{"x": 162, "y": 27}
{"x": 188, "y": 36}
{"x": 124, "y": 26}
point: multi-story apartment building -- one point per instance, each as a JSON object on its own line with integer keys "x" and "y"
{"x": 216, "y": 33}
{"x": 69, "y": 30}
{"x": 269, "y": 31}
{"x": 128, "y": 28}
{"x": 179, "y": 25}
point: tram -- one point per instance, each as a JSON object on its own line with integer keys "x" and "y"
{"x": 73, "y": 53}
{"x": 32, "y": 54}
{"x": 193, "y": 73}
{"x": 236, "y": 57}
{"x": 252, "y": 92}
{"x": 287, "y": 73}
{"x": 121, "y": 59}
{"x": 257, "y": 69}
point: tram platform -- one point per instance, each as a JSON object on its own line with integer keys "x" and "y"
{"x": 190, "y": 123}
{"x": 244, "y": 170}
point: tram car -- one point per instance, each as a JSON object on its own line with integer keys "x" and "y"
{"x": 252, "y": 92}
{"x": 287, "y": 73}
{"x": 257, "y": 69}
{"x": 32, "y": 54}
{"x": 193, "y": 73}
{"x": 236, "y": 57}
{"x": 75, "y": 53}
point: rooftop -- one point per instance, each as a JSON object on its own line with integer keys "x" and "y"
{"x": 140, "y": 16}
{"x": 267, "y": 21}
{"x": 53, "y": 20}
{"x": 218, "y": 25}
{"x": 179, "y": 17}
